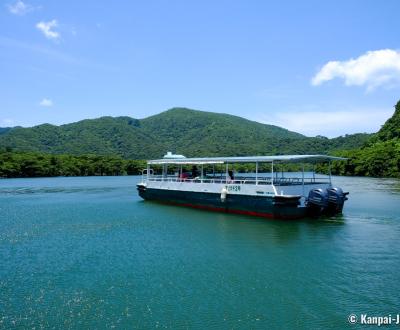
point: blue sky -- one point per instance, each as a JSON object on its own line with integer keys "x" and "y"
{"x": 63, "y": 61}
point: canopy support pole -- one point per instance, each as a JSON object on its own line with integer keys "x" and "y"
{"x": 302, "y": 175}
{"x": 256, "y": 173}
{"x": 313, "y": 173}
{"x": 330, "y": 173}
{"x": 272, "y": 173}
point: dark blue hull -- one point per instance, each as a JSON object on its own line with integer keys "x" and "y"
{"x": 265, "y": 206}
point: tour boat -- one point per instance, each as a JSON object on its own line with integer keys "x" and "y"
{"x": 214, "y": 184}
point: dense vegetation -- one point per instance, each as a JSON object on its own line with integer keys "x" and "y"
{"x": 189, "y": 132}
{"x": 4, "y": 129}
{"x": 380, "y": 157}
{"x": 34, "y": 164}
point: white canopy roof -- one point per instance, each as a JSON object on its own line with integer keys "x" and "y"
{"x": 251, "y": 159}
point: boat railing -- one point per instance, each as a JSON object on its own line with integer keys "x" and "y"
{"x": 299, "y": 181}
{"x": 241, "y": 180}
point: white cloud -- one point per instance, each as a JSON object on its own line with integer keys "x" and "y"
{"x": 331, "y": 123}
{"x": 19, "y": 8}
{"x": 6, "y": 122}
{"x": 47, "y": 29}
{"x": 46, "y": 103}
{"x": 372, "y": 69}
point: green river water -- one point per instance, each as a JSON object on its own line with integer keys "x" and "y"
{"x": 88, "y": 253}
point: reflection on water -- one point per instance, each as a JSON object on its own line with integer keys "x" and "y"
{"x": 89, "y": 253}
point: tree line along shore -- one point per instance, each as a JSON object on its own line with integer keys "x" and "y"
{"x": 17, "y": 164}
{"x": 382, "y": 159}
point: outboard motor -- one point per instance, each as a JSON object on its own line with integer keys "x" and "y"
{"x": 336, "y": 199}
{"x": 317, "y": 201}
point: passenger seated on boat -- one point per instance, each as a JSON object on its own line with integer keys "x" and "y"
{"x": 184, "y": 176}
{"x": 195, "y": 172}
{"x": 230, "y": 176}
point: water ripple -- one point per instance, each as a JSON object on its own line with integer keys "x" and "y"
{"x": 88, "y": 253}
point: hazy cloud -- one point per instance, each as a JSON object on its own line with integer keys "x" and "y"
{"x": 331, "y": 123}
{"x": 372, "y": 69}
{"x": 19, "y": 8}
{"x": 46, "y": 103}
{"x": 6, "y": 122}
{"x": 47, "y": 28}
{"x": 40, "y": 49}
{"x": 56, "y": 55}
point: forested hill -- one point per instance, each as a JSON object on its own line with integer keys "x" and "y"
{"x": 391, "y": 129}
{"x": 380, "y": 156}
{"x": 181, "y": 130}
{"x": 4, "y": 129}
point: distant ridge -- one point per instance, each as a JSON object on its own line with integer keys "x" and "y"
{"x": 4, "y": 129}
{"x": 181, "y": 130}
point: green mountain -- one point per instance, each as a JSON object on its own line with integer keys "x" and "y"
{"x": 181, "y": 130}
{"x": 4, "y": 130}
{"x": 380, "y": 156}
{"x": 391, "y": 129}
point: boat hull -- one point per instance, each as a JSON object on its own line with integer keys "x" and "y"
{"x": 262, "y": 206}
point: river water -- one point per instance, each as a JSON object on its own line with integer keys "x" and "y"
{"x": 88, "y": 253}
